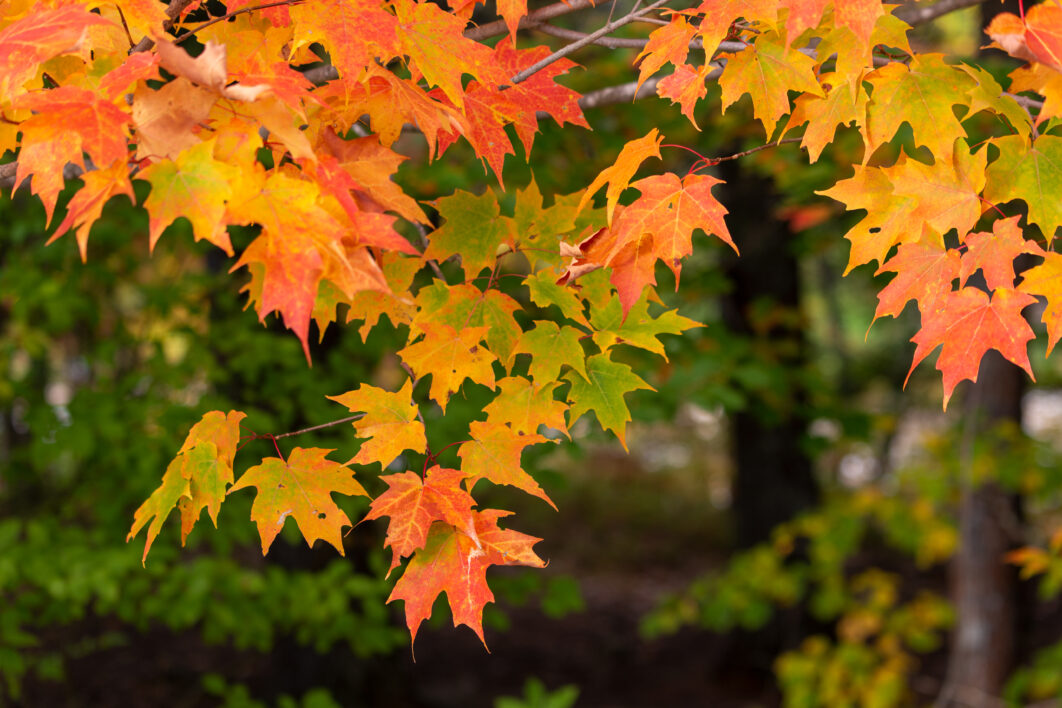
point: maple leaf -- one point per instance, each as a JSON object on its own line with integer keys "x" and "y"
{"x": 1032, "y": 173}
{"x": 545, "y": 292}
{"x": 888, "y": 215}
{"x": 368, "y": 305}
{"x": 988, "y": 95}
{"x": 136, "y": 67}
{"x": 684, "y": 87}
{"x": 390, "y": 423}
{"x": 967, "y": 323}
{"x": 433, "y": 40}
{"x": 636, "y": 327}
{"x": 860, "y": 16}
{"x": 67, "y": 122}
{"x": 1046, "y": 280}
{"x": 524, "y": 406}
{"x": 618, "y": 176}
{"x": 1043, "y": 80}
{"x": 1037, "y": 37}
{"x": 659, "y": 224}
{"x": 466, "y": 305}
{"x": 946, "y": 194}
{"x": 450, "y": 356}
{"x": 472, "y": 229}
{"x": 300, "y": 487}
{"x": 903, "y": 198}
{"x": 354, "y": 32}
{"x": 922, "y": 95}
{"x": 540, "y": 229}
{"x": 36, "y": 38}
{"x": 805, "y": 15}
{"x": 671, "y": 210}
{"x": 717, "y": 17}
{"x": 670, "y": 43}
{"x": 371, "y": 166}
{"x": 207, "y": 481}
{"x": 168, "y": 120}
{"x": 994, "y": 253}
{"x": 195, "y": 186}
{"x": 539, "y": 92}
{"x": 196, "y": 477}
{"x": 767, "y": 71}
{"x": 844, "y": 103}
{"x": 602, "y": 391}
{"x": 924, "y": 271}
{"x": 494, "y": 454}
{"x": 486, "y": 113}
{"x": 300, "y": 244}
{"x": 414, "y": 504}
{"x": 87, "y": 205}
{"x": 390, "y": 103}
{"x": 454, "y": 563}
{"x": 552, "y": 347}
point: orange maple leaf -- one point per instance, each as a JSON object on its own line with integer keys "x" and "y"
{"x": 455, "y": 563}
{"x": 414, "y": 504}
{"x": 36, "y": 38}
{"x": 618, "y": 176}
{"x": 967, "y": 323}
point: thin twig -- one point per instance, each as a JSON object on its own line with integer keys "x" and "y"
{"x": 709, "y": 161}
{"x": 348, "y": 419}
{"x": 423, "y": 234}
{"x": 173, "y": 11}
{"x": 230, "y": 15}
{"x": 565, "y": 51}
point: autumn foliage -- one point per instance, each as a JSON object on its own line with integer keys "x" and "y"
{"x": 284, "y": 116}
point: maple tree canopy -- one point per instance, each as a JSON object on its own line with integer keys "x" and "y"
{"x": 284, "y": 116}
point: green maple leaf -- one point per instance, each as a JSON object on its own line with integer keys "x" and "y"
{"x": 552, "y": 347}
{"x": 473, "y": 229}
{"x": 602, "y": 391}
{"x": 1032, "y": 173}
{"x": 639, "y": 328}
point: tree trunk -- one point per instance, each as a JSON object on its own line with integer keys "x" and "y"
{"x": 773, "y": 475}
{"x": 984, "y": 587}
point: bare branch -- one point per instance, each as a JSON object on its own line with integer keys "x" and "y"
{"x": 348, "y": 419}
{"x": 716, "y": 160}
{"x": 915, "y": 16}
{"x": 70, "y": 171}
{"x": 173, "y": 11}
{"x": 565, "y": 51}
{"x": 321, "y": 74}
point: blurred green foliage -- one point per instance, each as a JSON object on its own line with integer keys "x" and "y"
{"x": 107, "y": 365}
{"x": 536, "y": 695}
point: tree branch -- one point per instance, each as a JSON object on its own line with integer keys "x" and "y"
{"x": 173, "y": 11}
{"x": 915, "y": 16}
{"x": 230, "y": 15}
{"x": 530, "y": 20}
{"x": 610, "y": 27}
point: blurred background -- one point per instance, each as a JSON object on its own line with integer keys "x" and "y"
{"x": 790, "y": 527}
